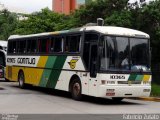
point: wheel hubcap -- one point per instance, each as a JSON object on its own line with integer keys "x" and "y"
{"x": 76, "y": 89}
{"x": 21, "y": 80}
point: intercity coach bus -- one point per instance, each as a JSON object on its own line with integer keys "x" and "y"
{"x": 100, "y": 61}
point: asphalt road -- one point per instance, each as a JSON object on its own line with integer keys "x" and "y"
{"x": 34, "y": 100}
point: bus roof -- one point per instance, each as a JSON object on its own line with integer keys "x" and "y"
{"x": 108, "y": 30}
{"x": 119, "y": 31}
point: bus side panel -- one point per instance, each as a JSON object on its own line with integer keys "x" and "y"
{"x": 12, "y": 72}
{"x": 65, "y": 77}
{"x": 51, "y": 72}
{"x": 33, "y": 76}
{"x": 7, "y": 73}
{"x": 73, "y": 66}
{"x": 15, "y": 71}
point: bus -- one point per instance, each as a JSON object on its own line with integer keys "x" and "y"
{"x": 3, "y": 48}
{"x": 100, "y": 61}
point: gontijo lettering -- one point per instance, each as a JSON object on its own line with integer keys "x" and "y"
{"x": 26, "y": 61}
{"x": 11, "y": 60}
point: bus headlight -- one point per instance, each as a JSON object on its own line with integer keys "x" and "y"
{"x": 146, "y": 90}
{"x": 103, "y": 82}
{"x": 111, "y": 82}
{"x": 147, "y": 82}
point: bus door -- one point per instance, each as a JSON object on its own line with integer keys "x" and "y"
{"x": 93, "y": 82}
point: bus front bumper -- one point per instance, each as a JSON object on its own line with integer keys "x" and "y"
{"x": 124, "y": 91}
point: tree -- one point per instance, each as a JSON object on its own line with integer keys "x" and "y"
{"x": 122, "y": 19}
{"x": 8, "y": 22}
{"x": 44, "y": 21}
{"x": 143, "y": 17}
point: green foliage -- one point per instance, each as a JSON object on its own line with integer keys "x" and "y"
{"x": 44, "y": 21}
{"x": 115, "y": 12}
{"x": 99, "y": 9}
{"x": 122, "y": 19}
{"x": 8, "y": 23}
{"x": 155, "y": 90}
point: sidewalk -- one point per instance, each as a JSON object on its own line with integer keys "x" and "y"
{"x": 156, "y": 99}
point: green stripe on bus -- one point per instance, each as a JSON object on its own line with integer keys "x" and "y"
{"x": 139, "y": 77}
{"x": 54, "y": 75}
{"x": 132, "y": 77}
{"x": 51, "y": 61}
{"x": 46, "y": 73}
{"x": 135, "y": 77}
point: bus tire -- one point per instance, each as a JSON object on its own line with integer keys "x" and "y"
{"x": 6, "y": 80}
{"x": 117, "y": 99}
{"x": 76, "y": 89}
{"x": 21, "y": 79}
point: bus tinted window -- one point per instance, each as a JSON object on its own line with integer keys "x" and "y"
{"x": 2, "y": 59}
{"x": 139, "y": 52}
{"x": 43, "y": 45}
{"x": 12, "y": 47}
{"x": 31, "y": 46}
{"x": 72, "y": 43}
{"x": 56, "y": 44}
{"x": 21, "y": 46}
{"x": 89, "y": 38}
{"x": 115, "y": 53}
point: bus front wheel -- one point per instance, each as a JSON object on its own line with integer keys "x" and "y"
{"x": 21, "y": 79}
{"x": 76, "y": 89}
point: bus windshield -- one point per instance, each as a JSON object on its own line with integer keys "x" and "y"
{"x": 122, "y": 53}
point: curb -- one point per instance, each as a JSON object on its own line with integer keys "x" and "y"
{"x": 149, "y": 99}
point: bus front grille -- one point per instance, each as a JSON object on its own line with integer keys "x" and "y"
{"x": 129, "y": 82}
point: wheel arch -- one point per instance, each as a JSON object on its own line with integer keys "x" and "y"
{"x": 19, "y": 73}
{"x": 72, "y": 79}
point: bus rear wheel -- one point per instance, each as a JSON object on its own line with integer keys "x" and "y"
{"x": 21, "y": 79}
{"x": 76, "y": 89}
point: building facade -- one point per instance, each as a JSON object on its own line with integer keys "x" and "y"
{"x": 64, "y": 6}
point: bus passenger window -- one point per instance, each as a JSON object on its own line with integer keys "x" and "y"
{"x": 12, "y": 47}
{"x": 21, "y": 46}
{"x": 52, "y": 44}
{"x": 31, "y": 46}
{"x": 72, "y": 44}
{"x": 56, "y": 44}
{"x": 43, "y": 45}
